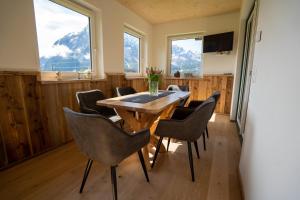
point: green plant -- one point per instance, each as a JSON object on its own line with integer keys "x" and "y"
{"x": 153, "y": 73}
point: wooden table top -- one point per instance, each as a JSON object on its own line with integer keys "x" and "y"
{"x": 152, "y": 107}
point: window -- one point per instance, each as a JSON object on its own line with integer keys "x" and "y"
{"x": 132, "y": 51}
{"x": 64, "y": 36}
{"x": 185, "y": 55}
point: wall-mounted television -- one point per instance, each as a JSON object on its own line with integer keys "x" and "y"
{"x": 218, "y": 42}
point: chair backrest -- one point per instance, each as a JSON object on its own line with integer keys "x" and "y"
{"x": 173, "y": 88}
{"x": 98, "y": 138}
{"x": 89, "y": 98}
{"x": 216, "y": 95}
{"x": 184, "y": 88}
{"x": 197, "y": 121}
{"x": 122, "y": 91}
{"x": 179, "y": 88}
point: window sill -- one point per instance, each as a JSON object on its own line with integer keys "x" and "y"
{"x": 198, "y": 77}
{"x": 134, "y": 76}
{"x": 56, "y": 81}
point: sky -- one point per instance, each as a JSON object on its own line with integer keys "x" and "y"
{"x": 189, "y": 45}
{"x": 53, "y": 22}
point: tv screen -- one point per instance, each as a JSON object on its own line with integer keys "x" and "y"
{"x": 218, "y": 42}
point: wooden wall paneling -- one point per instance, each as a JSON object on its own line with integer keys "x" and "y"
{"x": 115, "y": 80}
{"x": 52, "y": 104}
{"x": 44, "y": 116}
{"x": 102, "y": 85}
{"x": 216, "y": 85}
{"x": 3, "y": 155}
{"x": 202, "y": 87}
{"x": 84, "y": 86}
{"x": 223, "y": 94}
{"x": 33, "y": 112}
{"x": 31, "y": 115}
{"x": 209, "y": 89}
{"x": 139, "y": 84}
{"x": 194, "y": 89}
{"x": 65, "y": 99}
{"x": 228, "y": 100}
{"x": 12, "y": 119}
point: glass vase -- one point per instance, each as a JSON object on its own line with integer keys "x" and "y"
{"x": 153, "y": 88}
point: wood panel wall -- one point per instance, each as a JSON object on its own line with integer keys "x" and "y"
{"x": 31, "y": 115}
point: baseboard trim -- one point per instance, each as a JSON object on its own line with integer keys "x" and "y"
{"x": 241, "y": 184}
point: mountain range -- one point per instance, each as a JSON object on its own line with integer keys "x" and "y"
{"x": 77, "y": 55}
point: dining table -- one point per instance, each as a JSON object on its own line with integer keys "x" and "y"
{"x": 143, "y": 111}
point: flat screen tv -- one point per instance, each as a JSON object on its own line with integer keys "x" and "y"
{"x": 218, "y": 43}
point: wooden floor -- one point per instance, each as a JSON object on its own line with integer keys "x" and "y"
{"x": 58, "y": 174}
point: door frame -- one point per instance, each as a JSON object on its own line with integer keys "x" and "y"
{"x": 246, "y": 68}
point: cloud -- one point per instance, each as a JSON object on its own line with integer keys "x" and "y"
{"x": 57, "y": 50}
{"x": 53, "y": 22}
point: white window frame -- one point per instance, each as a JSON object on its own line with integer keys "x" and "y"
{"x": 138, "y": 34}
{"x": 182, "y": 37}
{"x": 72, "y": 5}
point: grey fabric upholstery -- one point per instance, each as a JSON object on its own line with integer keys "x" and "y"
{"x": 181, "y": 113}
{"x": 87, "y": 101}
{"x": 184, "y": 88}
{"x": 216, "y": 95}
{"x": 102, "y": 140}
{"x": 173, "y": 88}
{"x": 122, "y": 91}
{"x": 189, "y": 128}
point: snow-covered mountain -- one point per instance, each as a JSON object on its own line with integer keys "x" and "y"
{"x": 73, "y": 53}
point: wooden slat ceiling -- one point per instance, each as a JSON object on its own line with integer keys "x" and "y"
{"x": 161, "y": 11}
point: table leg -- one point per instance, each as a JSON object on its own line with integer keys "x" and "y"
{"x": 144, "y": 120}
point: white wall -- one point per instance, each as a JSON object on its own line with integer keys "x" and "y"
{"x": 213, "y": 63}
{"x": 18, "y": 42}
{"x": 270, "y": 161}
{"x": 114, "y": 16}
{"x": 17, "y": 36}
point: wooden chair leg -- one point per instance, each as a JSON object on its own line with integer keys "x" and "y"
{"x": 86, "y": 173}
{"x": 197, "y": 150}
{"x": 206, "y": 130}
{"x": 157, "y": 151}
{"x": 114, "y": 182}
{"x": 143, "y": 164}
{"x": 204, "y": 143}
{"x": 191, "y": 160}
{"x": 122, "y": 123}
{"x": 169, "y": 140}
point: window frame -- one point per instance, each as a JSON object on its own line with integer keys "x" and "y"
{"x": 141, "y": 37}
{"x": 182, "y": 37}
{"x": 83, "y": 10}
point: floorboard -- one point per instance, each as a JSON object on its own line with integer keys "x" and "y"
{"x": 58, "y": 174}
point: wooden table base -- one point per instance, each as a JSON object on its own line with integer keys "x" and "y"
{"x": 138, "y": 121}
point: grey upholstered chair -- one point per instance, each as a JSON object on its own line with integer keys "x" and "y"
{"x": 122, "y": 91}
{"x": 103, "y": 141}
{"x": 188, "y": 129}
{"x": 184, "y": 88}
{"x": 87, "y": 101}
{"x": 182, "y": 103}
{"x": 193, "y": 104}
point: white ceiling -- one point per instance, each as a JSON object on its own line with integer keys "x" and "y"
{"x": 161, "y": 11}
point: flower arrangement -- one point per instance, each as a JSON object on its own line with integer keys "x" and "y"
{"x": 153, "y": 75}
